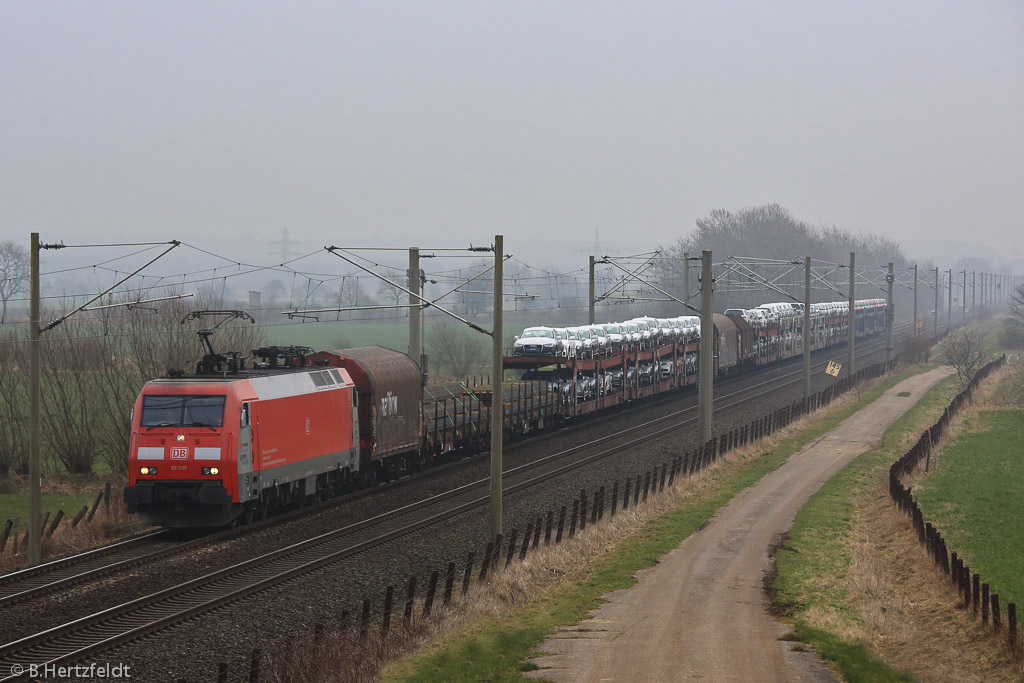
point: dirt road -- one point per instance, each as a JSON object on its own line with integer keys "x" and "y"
{"x": 701, "y": 614}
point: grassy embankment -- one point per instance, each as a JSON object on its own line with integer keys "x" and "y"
{"x": 973, "y": 495}
{"x": 495, "y": 649}
{"x": 970, "y": 496}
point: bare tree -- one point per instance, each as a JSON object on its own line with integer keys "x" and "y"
{"x": 1012, "y": 333}
{"x": 455, "y": 349}
{"x": 964, "y": 349}
{"x": 390, "y": 293}
{"x": 770, "y": 231}
{"x": 14, "y": 272}
{"x": 13, "y": 403}
{"x": 351, "y": 294}
{"x": 1016, "y": 303}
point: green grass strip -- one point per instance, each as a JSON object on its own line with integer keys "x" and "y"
{"x": 814, "y": 561}
{"x": 15, "y": 506}
{"x": 974, "y": 498}
{"x": 496, "y": 650}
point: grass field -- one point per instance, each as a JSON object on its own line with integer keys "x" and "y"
{"x": 338, "y": 335}
{"x": 974, "y": 496}
{"x": 15, "y": 505}
{"x": 494, "y": 650}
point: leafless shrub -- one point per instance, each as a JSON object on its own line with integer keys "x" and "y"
{"x": 1012, "y": 334}
{"x": 70, "y": 396}
{"x": 915, "y": 349}
{"x": 14, "y": 272}
{"x": 13, "y": 405}
{"x": 964, "y": 349}
{"x": 1016, "y": 303}
{"x": 455, "y": 349}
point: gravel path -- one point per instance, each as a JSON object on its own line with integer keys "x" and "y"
{"x": 700, "y": 614}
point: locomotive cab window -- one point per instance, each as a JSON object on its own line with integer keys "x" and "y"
{"x": 183, "y": 411}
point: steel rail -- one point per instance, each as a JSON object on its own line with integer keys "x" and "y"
{"x": 36, "y": 581}
{"x": 34, "y": 646}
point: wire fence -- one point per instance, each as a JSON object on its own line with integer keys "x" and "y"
{"x": 975, "y": 593}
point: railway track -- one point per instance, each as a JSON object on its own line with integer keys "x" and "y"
{"x": 90, "y": 635}
{"x": 65, "y": 573}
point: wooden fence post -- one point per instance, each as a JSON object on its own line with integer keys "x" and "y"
{"x": 583, "y": 509}
{"x": 996, "y": 619}
{"x": 95, "y": 504}
{"x": 625, "y": 497}
{"x": 389, "y": 601}
{"x": 364, "y": 620}
{"x": 575, "y": 513}
{"x": 615, "y": 498}
{"x": 4, "y": 536}
{"x": 428, "y": 603}
{"x": 561, "y": 525}
{"x": 512, "y": 544}
{"x": 53, "y": 525}
{"x": 1011, "y": 623}
{"x": 526, "y": 542}
{"x": 449, "y": 582}
{"x": 547, "y": 528}
{"x": 468, "y": 575}
{"x": 486, "y": 561}
{"x": 984, "y": 603}
{"x": 410, "y": 598}
{"x": 536, "y": 532}
{"x": 254, "y": 665}
{"x": 222, "y": 672}
{"x": 106, "y": 499}
{"x": 76, "y": 519}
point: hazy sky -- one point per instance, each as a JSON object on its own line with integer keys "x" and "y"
{"x": 440, "y": 123}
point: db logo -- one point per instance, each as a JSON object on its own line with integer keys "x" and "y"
{"x": 179, "y": 453}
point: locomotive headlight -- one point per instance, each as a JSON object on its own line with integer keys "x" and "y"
{"x": 147, "y": 470}
{"x": 211, "y": 470}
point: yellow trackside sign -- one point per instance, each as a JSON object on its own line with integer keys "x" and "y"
{"x": 833, "y": 368}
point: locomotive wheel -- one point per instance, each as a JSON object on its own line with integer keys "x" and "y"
{"x": 250, "y": 513}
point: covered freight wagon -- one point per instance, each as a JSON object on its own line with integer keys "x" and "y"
{"x": 389, "y": 387}
{"x": 734, "y": 343}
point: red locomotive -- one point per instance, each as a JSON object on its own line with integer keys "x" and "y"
{"x": 210, "y": 448}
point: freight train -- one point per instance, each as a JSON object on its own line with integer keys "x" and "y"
{"x": 287, "y": 425}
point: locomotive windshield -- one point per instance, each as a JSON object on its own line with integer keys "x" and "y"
{"x": 183, "y": 411}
